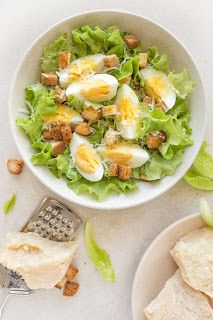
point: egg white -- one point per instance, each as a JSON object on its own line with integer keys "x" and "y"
{"x": 75, "y": 143}
{"x": 170, "y": 97}
{"x": 127, "y": 128}
{"x": 76, "y": 88}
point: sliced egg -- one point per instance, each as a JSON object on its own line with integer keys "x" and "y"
{"x": 124, "y": 154}
{"x": 157, "y": 85}
{"x": 81, "y": 68}
{"x": 85, "y": 158}
{"x": 97, "y": 88}
{"x": 63, "y": 115}
{"x": 127, "y": 117}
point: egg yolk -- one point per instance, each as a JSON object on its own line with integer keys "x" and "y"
{"x": 86, "y": 159}
{"x": 63, "y": 115}
{"x": 94, "y": 90}
{"x": 156, "y": 87}
{"x": 81, "y": 69}
{"x": 120, "y": 155}
{"x": 127, "y": 110}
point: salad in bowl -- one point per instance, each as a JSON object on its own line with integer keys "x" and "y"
{"x": 107, "y": 113}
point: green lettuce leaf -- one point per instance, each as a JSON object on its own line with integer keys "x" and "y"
{"x": 46, "y": 104}
{"x": 100, "y": 129}
{"x": 91, "y": 41}
{"x": 182, "y": 83}
{"x": 32, "y": 127}
{"x": 49, "y": 61}
{"x": 9, "y": 204}
{"x": 129, "y": 67}
{"x": 33, "y": 94}
{"x": 206, "y": 213}
{"x": 62, "y": 166}
{"x": 203, "y": 163}
{"x": 157, "y": 60}
{"x": 44, "y": 154}
{"x": 98, "y": 256}
{"x": 101, "y": 189}
{"x": 198, "y": 181}
{"x": 74, "y": 103}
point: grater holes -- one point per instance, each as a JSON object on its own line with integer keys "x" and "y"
{"x": 59, "y": 216}
{"x": 70, "y": 225}
{"x": 41, "y": 214}
{"x": 64, "y": 221}
{"x": 47, "y": 217}
{"x": 48, "y": 209}
{"x": 54, "y": 212}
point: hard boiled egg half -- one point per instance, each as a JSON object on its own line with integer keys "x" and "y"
{"x": 157, "y": 85}
{"x": 81, "y": 68}
{"x": 127, "y": 117}
{"x": 96, "y": 88}
{"x": 85, "y": 158}
{"x": 63, "y": 115}
{"x": 124, "y": 154}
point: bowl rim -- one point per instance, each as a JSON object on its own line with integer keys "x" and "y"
{"x": 151, "y": 246}
{"x": 96, "y": 204}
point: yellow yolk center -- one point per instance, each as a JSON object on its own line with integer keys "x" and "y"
{"x": 120, "y": 155}
{"x": 81, "y": 69}
{"x": 127, "y": 110}
{"x": 156, "y": 87}
{"x": 62, "y": 115}
{"x": 94, "y": 90}
{"x": 86, "y": 159}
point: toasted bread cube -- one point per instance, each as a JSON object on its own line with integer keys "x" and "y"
{"x": 15, "y": 166}
{"x": 47, "y": 135}
{"x": 131, "y": 41}
{"x": 91, "y": 114}
{"x": 124, "y": 172}
{"x": 143, "y": 56}
{"x": 125, "y": 80}
{"x": 71, "y": 273}
{"x": 154, "y": 140}
{"x": 70, "y": 289}
{"x": 64, "y": 59}
{"x": 56, "y": 132}
{"x": 49, "y": 79}
{"x": 83, "y": 129}
{"x": 61, "y": 283}
{"x": 109, "y": 110}
{"x": 58, "y": 148}
{"x": 147, "y": 100}
{"x": 161, "y": 105}
{"x": 113, "y": 170}
{"x": 111, "y": 61}
{"x": 66, "y": 132}
{"x": 60, "y": 95}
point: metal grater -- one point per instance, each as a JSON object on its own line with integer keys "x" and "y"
{"x": 51, "y": 219}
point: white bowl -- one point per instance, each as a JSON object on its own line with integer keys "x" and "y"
{"x": 157, "y": 265}
{"x": 149, "y": 33}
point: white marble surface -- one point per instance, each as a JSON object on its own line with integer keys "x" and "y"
{"x": 126, "y": 233}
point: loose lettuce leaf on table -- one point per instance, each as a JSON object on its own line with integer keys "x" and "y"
{"x": 182, "y": 82}
{"x": 198, "y": 181}
{"x": 98, "y": 256}
{"x": 206, "y": 213}
{"x": 9, "y": 204}
{"x": 49, "y": 61}
{"x": 157, "y": 60}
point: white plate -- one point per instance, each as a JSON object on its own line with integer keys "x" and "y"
{"x": 157, "y": 265}
{"x": 149, "y": 33}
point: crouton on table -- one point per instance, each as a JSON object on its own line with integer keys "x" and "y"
{"x": 15, "y": 166}
{"x": 61, "y": 283}
{"x": 70, "y": 289}
{"x": 71, "y": 273}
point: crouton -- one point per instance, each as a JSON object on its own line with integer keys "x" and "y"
{"x": 143, "y": 59}
{"x": 70, "y": 289}
{"x": 131, "y": 41}
{"x": 60, "y": 95}
{"x": 83, "y": 128}
{"x": 47, "y": 135}
{"x": 109, "y": 110}
{"x": 49, "y": 79}
{"x": 113, "y": 170}
{"x": 66, "y": 132}
{"x": 56, "y": 132}
{"x": 154, "y": 140}
{"x": 124, "y": 172}
{"x": 91, "y": 114}
{"x": 111, "y": 61}
{"x": 161, "y": 105}
{"x": 125, "y": 80}
{"x": 58, "y": 148}
{"x": 64, "y": 59}
{"x": 15, "y": 166}
{"x": 147, "y": 100}
{"x": 61, "y": 283}
{"x": 71, "y": 273}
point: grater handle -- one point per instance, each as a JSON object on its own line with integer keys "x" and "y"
{"x": 4, "y": 295}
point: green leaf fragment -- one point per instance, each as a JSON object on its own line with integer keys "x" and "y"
{"x": 206, "y": 213}
{"x": 9, "y": 204}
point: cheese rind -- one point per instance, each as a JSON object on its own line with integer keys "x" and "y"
{"x": 41, "y": 262}
{"x": 194, "y": 255}
{"x": 178, "y": 301}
